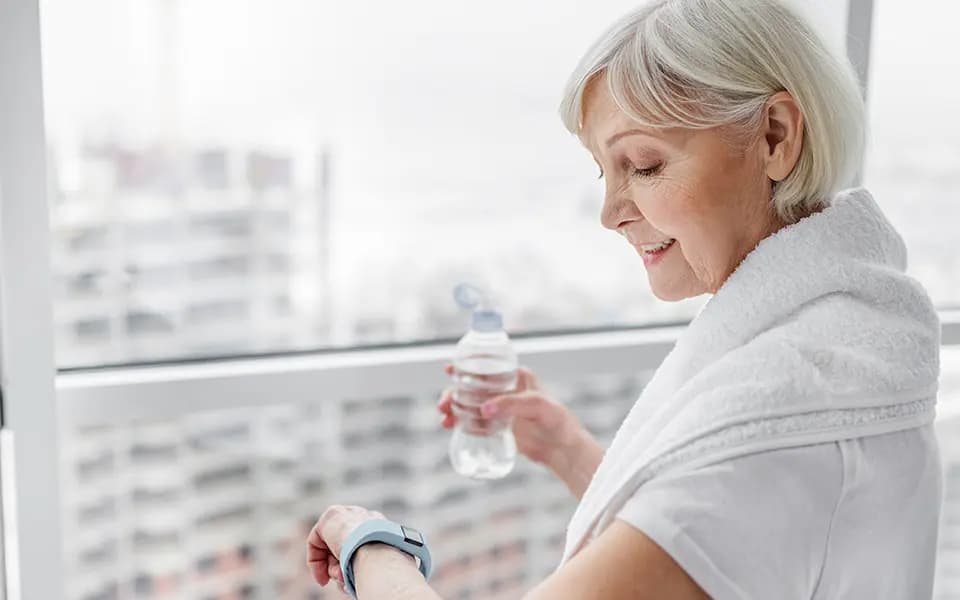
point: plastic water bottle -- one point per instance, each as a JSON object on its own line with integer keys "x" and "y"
{"x": 484, "y": 366}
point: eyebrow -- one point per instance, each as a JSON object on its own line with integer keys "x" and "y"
{"x": 617, "y": 136}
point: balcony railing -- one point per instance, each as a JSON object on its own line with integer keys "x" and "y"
{"x": 183, "y": 481}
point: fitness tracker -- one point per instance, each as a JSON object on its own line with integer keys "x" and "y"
{"x": 389, "y": 532}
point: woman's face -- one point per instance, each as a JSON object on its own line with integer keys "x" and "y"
{"x": 682, "y": 184}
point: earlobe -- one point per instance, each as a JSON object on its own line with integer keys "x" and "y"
{"x": 783, "y": 132}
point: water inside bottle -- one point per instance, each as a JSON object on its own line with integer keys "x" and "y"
{"x": 482, "y": 447}
{"x": 483, "y": 457}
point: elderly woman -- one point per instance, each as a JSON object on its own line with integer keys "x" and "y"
{"x": 784, "y": 448}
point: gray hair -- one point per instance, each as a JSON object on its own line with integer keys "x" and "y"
{"x": 714, "y": 63}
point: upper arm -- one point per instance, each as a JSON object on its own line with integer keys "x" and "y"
{"x": 755, "y": 526}
{"x": 621, "y": 563}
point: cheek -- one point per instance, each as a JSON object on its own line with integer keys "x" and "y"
{"x": 691, "y": 224}
{"x": 676, "y": 210}
{"x": 705, "y": 261}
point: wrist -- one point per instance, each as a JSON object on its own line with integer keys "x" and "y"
{"x": 381, "y": 570}
{"x": 575, "y": 462}
{"x": 380, "y": 553}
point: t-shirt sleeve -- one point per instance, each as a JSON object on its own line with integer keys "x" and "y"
{"x": 748, "y": 527}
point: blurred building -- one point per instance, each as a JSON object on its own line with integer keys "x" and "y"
{"x": 165, "y": 252}
{"x": 218, "y": 505}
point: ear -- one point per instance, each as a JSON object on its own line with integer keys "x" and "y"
{"x": 782, "y": 130}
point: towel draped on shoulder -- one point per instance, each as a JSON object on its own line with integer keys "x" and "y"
{"x": 818, "y": 335}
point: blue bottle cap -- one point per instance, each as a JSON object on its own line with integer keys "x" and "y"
{"x": 486, "y": 320}
{"x": 467, "y": 296}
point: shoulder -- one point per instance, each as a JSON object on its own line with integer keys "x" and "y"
{"x": 763, "y": 525}
{"x": 708, "y": 532}
{"x": 766, "y": 525}
{"x": 746, "y": 527}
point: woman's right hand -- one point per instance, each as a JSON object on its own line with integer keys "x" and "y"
{"x": 545, "y": 430}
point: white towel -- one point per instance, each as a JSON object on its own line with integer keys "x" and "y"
{"x": 817, "y": 336}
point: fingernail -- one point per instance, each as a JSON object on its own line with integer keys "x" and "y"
{"x": 488, "y": 409}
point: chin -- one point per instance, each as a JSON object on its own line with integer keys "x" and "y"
{"x": 669, "y": 297}
{"x": 673, "y": 293}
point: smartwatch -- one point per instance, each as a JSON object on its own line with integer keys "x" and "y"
{"x": 385, "y": 531}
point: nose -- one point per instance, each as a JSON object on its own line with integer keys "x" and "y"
{"x": 617, "y": 209}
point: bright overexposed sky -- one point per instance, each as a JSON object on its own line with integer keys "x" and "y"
{"x": 222, "y": 68}
{"x": 440, "y": 115}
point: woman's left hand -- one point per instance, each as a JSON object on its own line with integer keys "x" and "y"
{"x": 326, "y": 539}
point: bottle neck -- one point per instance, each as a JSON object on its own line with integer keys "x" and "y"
{"x": 492, "y": 335}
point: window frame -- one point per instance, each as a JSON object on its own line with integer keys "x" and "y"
{"x": 29, "y": 460}
{"x": 38, "y": 401}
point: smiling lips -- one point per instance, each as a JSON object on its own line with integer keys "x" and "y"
{"x": 651, "y": 248}
{"x": 651, "y": 253}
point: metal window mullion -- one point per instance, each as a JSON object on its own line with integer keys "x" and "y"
{"x": 26, "y": 330}
{"x": 859, "y": 29}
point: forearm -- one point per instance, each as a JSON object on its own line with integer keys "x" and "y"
{"x": 382, "y": 572}
{"x": 576, "y": 463}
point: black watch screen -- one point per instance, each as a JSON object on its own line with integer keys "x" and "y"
{"x": 412, "y": 535}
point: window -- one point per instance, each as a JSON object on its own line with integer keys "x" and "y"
{"x": 217, "y": 504}
{"x": 913, "y": 159}
{"x": 249, "y": 176}
{"x": 245, "y": 177}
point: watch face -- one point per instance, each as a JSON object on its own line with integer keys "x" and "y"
{"x": 412, "y": 535}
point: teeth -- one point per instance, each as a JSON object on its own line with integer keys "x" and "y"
{"x": 656, "y": 247}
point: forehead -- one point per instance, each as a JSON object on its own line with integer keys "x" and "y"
{"x": 602, "y": 118}
{"x": 600, "y": 111}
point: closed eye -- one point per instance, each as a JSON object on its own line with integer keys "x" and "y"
{"x": 647, "y": 172}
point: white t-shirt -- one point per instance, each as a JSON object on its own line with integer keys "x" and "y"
{"x": 851, "y": 519}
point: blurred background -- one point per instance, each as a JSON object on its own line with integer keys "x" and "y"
{"x": 240, "y": 186}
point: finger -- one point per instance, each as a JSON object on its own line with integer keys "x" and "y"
{"x": 446, "y": 410}
{"x": 448, "y": 414}
{"x": 527, "y": 405}
{"x": 526, "y": 379}
{"x": 326, "y": 533}
{"x": 315, "y": 544}
{"x": 318, "y": 569}
{"x": 317, "y": 556}
{"x": 333, "y": 571}
{"x": 336, "y": 574}
{"x": 448, "y": 421}
{"x": 448, "y": 368}
{"x": 443, "y": 405}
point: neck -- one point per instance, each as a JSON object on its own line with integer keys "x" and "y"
{"x": 767, "y": 224}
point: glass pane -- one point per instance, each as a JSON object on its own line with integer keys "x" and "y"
{"x": 253, "y": 176}
{"x": 218, "y": 504}
{"x": 913, "y": 159}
